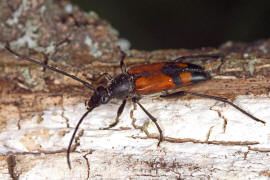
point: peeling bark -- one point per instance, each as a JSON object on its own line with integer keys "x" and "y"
{"x": 203, "y": 138}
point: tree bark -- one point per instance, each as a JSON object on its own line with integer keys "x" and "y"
{"x": 203, "y": 138}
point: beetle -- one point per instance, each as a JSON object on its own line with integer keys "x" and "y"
{"x": 142, "y": 80}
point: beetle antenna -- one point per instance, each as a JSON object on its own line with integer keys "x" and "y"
{"x": 49, "y": 67}
{"x": 74, "y": 133}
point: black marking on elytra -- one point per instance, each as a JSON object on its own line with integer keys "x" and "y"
{"x": 173, "y": 71}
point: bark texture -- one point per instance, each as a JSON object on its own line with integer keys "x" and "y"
{"x": 39, "y": 108}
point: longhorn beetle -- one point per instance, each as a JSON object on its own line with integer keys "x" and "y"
{"x": 142, "y": 80}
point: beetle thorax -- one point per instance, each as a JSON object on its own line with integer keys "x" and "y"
{"x": 121, "y": 86}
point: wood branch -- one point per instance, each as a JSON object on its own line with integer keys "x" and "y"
{"x": 203, "y": 138}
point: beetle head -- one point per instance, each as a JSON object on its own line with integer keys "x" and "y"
{"x": 100, "y": 96}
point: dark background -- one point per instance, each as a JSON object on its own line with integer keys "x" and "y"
{"x": 166, "y": 24}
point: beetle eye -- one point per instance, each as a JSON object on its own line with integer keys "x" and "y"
{"x": 103, "y": 95}
{"x": 104, "y": 99}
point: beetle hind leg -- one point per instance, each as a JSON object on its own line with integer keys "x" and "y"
{"x": 225, "y": 100}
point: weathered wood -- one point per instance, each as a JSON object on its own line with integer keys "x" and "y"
{"x": 203, "y": 138}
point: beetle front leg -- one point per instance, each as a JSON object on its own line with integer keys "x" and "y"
{"x": 119, "y": 112}
{"x": 100, "y": 78}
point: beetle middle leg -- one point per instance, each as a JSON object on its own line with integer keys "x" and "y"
{"x": 119, "y": 112}
{"x": 135, "y": 100}
{"x": 225, "y": 100}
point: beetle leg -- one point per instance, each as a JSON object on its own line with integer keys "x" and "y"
{"x": 152, "y": 118}
{"x": 107, "y": 76}
{"x": 148, "y": 58}
{"x": 119, "y": 112}
{"x": 180, "y": 59}
{"x": 122, "y": 64}
{"x": 225, "y": 100}
{"x": 173, "y": 95}
{"x": 100, "y": 78}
